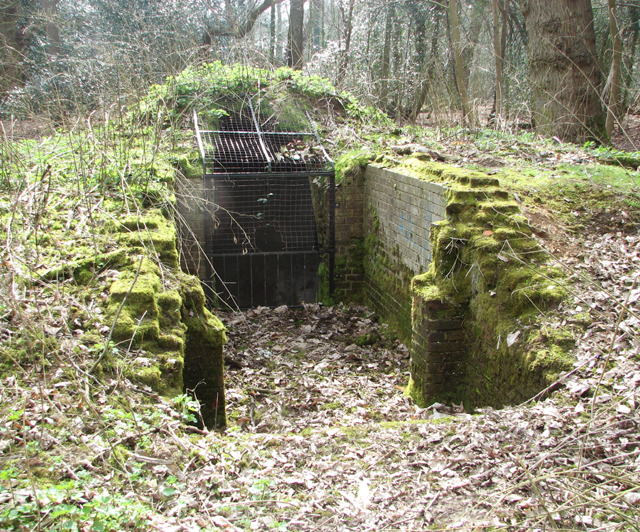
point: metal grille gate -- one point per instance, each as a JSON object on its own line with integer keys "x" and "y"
{"x": 262, "y": 244}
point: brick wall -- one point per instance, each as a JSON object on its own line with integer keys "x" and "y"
{"x": 399, "y": 212}
{"x": 405, "y": 207}
{"x": 438, "y": 348}
{"x": 349, "y": 238}
{"x": 190, "y": 195}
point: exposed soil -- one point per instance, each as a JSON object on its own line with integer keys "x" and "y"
{"x": 627, "y": 137}
{"x": 24, "y": 129}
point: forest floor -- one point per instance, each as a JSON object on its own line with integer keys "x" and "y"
{"x": 320, "y": 435}
{"x": 325, "y": 440}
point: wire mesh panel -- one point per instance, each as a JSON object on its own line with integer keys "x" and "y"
{"x": 232, "y": 150}
{"x": 263, "y": 242}
{"x": 263, "y": 214}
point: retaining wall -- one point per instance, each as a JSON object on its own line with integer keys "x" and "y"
{"x": 429, "y": 254}
{"x": 190, "y": 194}
{"x": 400, "y": 211}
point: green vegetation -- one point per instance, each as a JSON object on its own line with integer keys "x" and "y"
{"x": 213, "y": 89}
{"x": 487, "y": 267}
{"x": 97, "y": 319}
{"x": 352, "y": 164}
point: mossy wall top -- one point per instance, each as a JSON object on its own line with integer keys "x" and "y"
{"x": 489, "y": 273}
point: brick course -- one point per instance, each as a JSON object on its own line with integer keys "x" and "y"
{"x": 399, "y": 211}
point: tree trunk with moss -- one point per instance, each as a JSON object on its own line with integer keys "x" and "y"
{"x": 565, "y": 78}
{"x": 498, "y": 53}
{"x": 616, "y": 63}
{"x": 459, "y": 62}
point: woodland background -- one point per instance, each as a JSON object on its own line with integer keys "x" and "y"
{"x": 320, "y": 436}
{"x": 447, "y": 60}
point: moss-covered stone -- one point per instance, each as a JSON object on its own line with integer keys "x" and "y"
{"x": 204, "y": 360}
{"x": 191, "y": 167}
{"x": 352, "y": 163}
{"x": 151, "y": 232}
{"x": 388, "y": 282}
{"x": 84, "y": 269}
{"x": 161, "y": 311}
{"x": 369, "y": 338}
{"x": 489, "y": 276}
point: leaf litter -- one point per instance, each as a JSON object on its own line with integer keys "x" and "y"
{"x": 320, "y": 435}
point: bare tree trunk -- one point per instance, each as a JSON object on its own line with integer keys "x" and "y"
{"x": 565, "y": 78}
{"x": 344, "y": 53}
{"x": 473, "y": 34}
{"x": 457, "y": 48}
{"x": 272, "y": 36}
{"x": 316, "y": 25}
{"x": 279, "y": 40}
{"x": 11, "y": 45}
{"x": 503, "y": 52}
{"x": 238, "y": 29}
{"x": 385, "y": 70}
{"x": 49, "y": 7}
{"x": 295, "y": 47}
{"x": 418, "y": 17}
{"x": 614, "y": 96}
{"x": 498, "y": 53}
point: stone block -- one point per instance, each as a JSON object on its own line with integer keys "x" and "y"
{"x": 455, "y": 335}
{"x": 435, "y": 336}
{"x": 443, "y": 356}
{"x": 444, "y": 325}
{"x": 444, "y": 347}
{"x": 437, "y": 304}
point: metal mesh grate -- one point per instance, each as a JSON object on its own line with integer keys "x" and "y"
{"x": 237, "y": 151}
{"x": 263, "y": 214}
{"x": 247, "y": 142}
{"x": 263, "y": 240}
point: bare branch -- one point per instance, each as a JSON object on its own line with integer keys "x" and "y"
{"x": 240, "y": 30}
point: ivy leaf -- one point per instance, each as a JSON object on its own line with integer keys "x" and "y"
{"x": 168, "y": 491}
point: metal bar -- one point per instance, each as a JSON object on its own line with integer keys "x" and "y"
{"x": 261, "y": 253}
{"x": 332, "y": 233}
{"x": 262, "y": 145}
{"x": 200, "y": 145}
{"x": 257, "y": 175}
{"x": 265, "y": 133}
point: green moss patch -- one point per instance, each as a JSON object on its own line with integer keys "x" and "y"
{"x": 162, "y": 312}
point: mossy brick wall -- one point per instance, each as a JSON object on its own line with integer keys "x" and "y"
{"x": 160, "y": 310}
{"x": 406, "y": 208}
{"x": 349, "y": 237}
{"x": 399, "y": 213}
{"x": 438, "y": 348}
{"x": 191, "y": 231}
{"x": 483, "y": 312}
